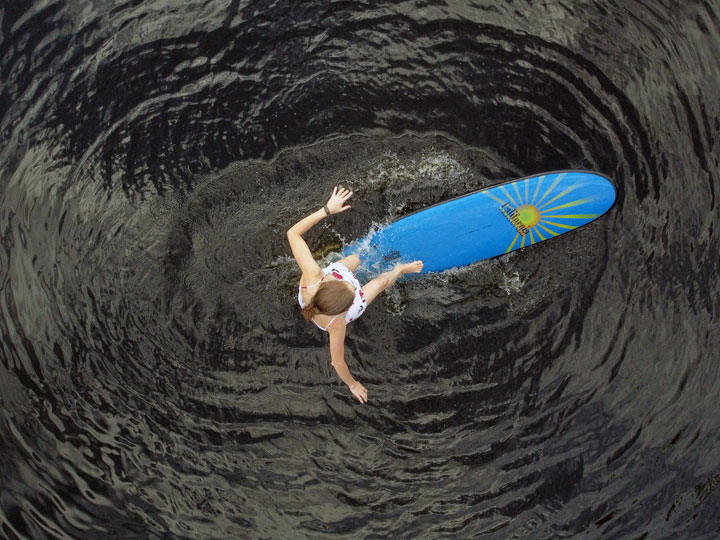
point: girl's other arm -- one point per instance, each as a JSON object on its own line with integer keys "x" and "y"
{"x": 337, "y": 356}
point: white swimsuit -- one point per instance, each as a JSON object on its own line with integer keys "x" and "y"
{"x": 343, "y": 273}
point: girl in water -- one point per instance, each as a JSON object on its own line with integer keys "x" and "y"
{"x": 331, "y": 297}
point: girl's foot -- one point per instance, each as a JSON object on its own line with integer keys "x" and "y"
{"x": 410, "y": 268}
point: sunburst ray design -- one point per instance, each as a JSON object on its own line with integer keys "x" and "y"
{"x": 505, "y": 191}
{"x": 552, "y": 187}
{"x": 569, "y": 227}
{"x": 561, "y": 194}
{"x": 574, "y": 216}
{"x": 527, "y": 188}
{"x": 537, "y": 188}
{"x": 538, "y": 213}
{"x": 517, "y": 190}
{"x": 543, "y": 227}
{"x": 509, "y": 249}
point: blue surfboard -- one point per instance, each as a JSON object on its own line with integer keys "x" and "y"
{"x": 489, "y": 222}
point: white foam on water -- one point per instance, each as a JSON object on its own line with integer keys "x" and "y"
{"x": 512, "y": 283}
{"x": 439, "y": 167}
{"x": 363, "y": 249}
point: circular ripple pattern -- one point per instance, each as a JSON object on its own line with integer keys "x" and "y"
{"x": 156, "y": 379}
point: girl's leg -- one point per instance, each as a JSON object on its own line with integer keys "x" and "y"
{"x": 373, "y": 288}
{"x": 351, "y": 261}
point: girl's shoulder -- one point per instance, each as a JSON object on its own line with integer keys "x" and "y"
{"x": 311, "y": 278}
{"x": 331, "y": 323}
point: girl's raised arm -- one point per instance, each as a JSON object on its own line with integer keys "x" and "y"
{"x": 300, "y": 250}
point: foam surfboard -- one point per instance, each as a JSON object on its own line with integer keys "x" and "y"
{"x": 489, "y": 222}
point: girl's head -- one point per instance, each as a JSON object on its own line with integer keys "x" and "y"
{"x": 331, "y": 298}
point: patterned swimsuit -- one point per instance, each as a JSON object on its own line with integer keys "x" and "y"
{"x": 342, "y": 273}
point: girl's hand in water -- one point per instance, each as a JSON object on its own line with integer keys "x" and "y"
{"x": 338, "y": 199}
{"x": 359, "y": 391}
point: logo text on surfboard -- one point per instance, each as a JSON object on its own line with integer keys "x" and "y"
{"x": 513, "y": 216}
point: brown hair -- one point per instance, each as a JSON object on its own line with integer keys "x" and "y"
{"x": 331, "y": 298}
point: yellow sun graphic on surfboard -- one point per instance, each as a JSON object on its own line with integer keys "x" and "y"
{"x": 536, "y": 214}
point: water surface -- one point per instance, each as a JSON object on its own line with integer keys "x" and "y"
{"x": 156, "y": 378}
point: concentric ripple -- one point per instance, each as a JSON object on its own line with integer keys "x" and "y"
{"x": 156, "y": 379}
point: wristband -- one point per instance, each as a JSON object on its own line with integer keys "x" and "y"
{"x": 327, "y": 212}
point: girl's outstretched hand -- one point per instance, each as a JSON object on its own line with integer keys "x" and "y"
{"x": 359, "y": 391}
{"x": 338, "y": 199}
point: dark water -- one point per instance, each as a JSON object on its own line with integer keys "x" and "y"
{"x": 156, "y": 378}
